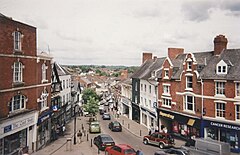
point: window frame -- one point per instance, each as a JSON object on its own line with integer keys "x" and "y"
{"x": 188, "y": 82}
{"x": 189, "y": 65}
{"x": 219, "y": 88}
{"x": 237, "y": 89}
{"x": 17, "y": 44}
{"x": 22, "y": 103}
{"x": 186, "y": 103}
{"x": 17, "y": 74}
{"x": 237, "y": 112}
{"x": 167, "y": 102}
{"x": 220, "y": 113}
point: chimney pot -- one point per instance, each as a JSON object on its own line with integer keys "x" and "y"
{"x": 146, "y": 56}
{"x": 174, "y": 52}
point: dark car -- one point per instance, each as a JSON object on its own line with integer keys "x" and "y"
{"x": 102, "y": 111}
{"x": 160, "y": 139}
{"x": 102, "y": 141}
{"x": 178, "y": 151}
{"x": 106, "y": 116}
{"x": 115, "y": 126}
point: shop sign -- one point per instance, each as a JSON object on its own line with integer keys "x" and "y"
{"x": 166, "y": 115}
{"x": 227, "y": 126}
{"x": 18, "y": 124}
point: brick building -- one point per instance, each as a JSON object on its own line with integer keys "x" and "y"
{"x": 24, "y": 89}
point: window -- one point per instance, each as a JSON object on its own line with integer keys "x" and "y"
{"x": 220, "y": 110}
{"x": 238, "y": 112}
{"x": 189, "y": 103}
{"x": 17, "y": 72}
{"x": 17, "y": 102}
{"x": 167, "y": 102}
{"x": 136, "y": 99}
{"x": 141, "y": 87}
{"x": 189, "y": 65}
{"x": 43, "y": 99}
{"x": 145, "y": 88}
{"x": 67, "y": 83}
{"x": 237, "y": 89}
{"x": 63, "y": 99}
{"x": 150, "y": 102}
{"x": 189, "y": 81}
{"x": 136, "y": 88}
{"x": 145, "y": 102}
{"x": 166, "y": 73}
{"x": 63, "y": 83}
{"x": 221, "y": 67}
{"x": 44, "y": 72}
{"x": 142, "y": 100}
{"x": 220, "y": 88}
{"x": 166, "y": 89}
{"x": 150, "y": 89}
{"x": 17, "y": 41}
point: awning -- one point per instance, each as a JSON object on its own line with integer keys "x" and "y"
{"x": 191, "y": 122}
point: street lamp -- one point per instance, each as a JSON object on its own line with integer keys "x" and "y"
{"x": 74, "y": 138}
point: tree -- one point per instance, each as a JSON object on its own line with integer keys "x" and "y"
{"x": 91, "y": 106}
{"x": 87, "y": 93}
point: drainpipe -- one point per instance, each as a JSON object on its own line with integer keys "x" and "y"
{"x": 201, "y": 127}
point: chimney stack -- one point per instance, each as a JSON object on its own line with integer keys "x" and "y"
{"x": 174, "y": 52}
{"x": 146, "y": 56}
{"x": 154, "y": 58}
{"x": 220, "y": 43}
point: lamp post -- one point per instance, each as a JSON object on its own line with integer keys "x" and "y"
{"x": 74, "y": 138}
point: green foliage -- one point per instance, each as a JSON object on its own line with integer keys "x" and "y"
{"x": 116, "y": 74}
{"x": 91, "y": 106}
{"x": 87, "y": 93}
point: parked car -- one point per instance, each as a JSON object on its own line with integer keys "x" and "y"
{"x": 92, "y": 119}
{"x": 115, "y": 126}
{"x": 106, "y": 116}
{"x": 94, "y": 127}
{"x": 102, "y": 141}
{"x": 178, "y": 151}
{"x": 102, "y": 111}
{"x": 160, "y": 139}
{"x": 120, "y": 149}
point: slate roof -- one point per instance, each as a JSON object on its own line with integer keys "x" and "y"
{"x": 202, "y": 58}
{"x": 231, "y": 57}
{"x": 145, "y": 70}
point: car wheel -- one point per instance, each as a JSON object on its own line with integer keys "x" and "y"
{"x": 145, "y": 141}
{"x": 161, "y": 145}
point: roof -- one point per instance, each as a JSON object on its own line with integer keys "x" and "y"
{"x": 61, "y": 71}
{"x": 144, "y": 72}
{"x": 231, "y": 57}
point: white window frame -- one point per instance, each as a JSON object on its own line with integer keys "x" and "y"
{"x": 237, "y": 88}
{"x": 15, "y": 101}
{"x": 166, "y": 102}
{"x": 166, "y": 89}
{"x": 17, "y": 37}
{"x": 221, "y": 68}
{"x": 189, "y": 65}
{"x": 43, "y": 99}
{"x": 188, "y": 82}
{"x": 237, "y": 112}
{"x": 44, "y": 72}
{"x": 166, "y": 73}
{"x": 219, "y": 88}
{"x": 187, "y": 103}
{"x": 17, "y": 72}
{"x": 220, "y": 112}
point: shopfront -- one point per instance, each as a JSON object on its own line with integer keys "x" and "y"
{"x": 17, "y": 134}
{"x": 68, "y": 113}
{"x": 148, "y": 118}
{"x": 125, "y": 107}
{"x": 44, "y": 129}
{"x": 182, "y": 126}
{"x": 135, "y": 112}
{"x": 224, "y": 132}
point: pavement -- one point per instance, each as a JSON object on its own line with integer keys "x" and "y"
{"x": 64, "y": 145}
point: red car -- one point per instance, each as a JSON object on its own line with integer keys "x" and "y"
{"x": 162, "y": 140}
{"x": 120, "y": 149}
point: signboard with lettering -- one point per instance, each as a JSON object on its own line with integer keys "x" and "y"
{"x": 227, "y": 126}
{"x": 166, "y": 115}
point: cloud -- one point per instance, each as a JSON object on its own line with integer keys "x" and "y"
{"x": 231, "y": 5}
{"x": 197, "y": 10}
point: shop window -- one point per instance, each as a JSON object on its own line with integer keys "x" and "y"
{"x": 17, "y": 72}
{"x": 144, "y": 119}
{"x": 212, "y": 133}
{"x": 189, "y": 103}
{"x": 238, "y": 112}
{"x": 17, "y": 103}
{"x": 237, "y": 89}
{"x": 220, "y": 110}
{"x": 220, "y": 88}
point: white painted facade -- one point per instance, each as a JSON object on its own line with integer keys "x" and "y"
{"x": 148, "y": 101}
{"x": 125, "y": 105}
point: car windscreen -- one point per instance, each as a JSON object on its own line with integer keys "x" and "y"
{"x": 129, "y": 151}
{"x": 116, "y": 123}
{"x": 107, "y": 139}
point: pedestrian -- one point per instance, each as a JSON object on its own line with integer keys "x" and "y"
{"x": 165, "y": 129}
{"x": 139, "y": 151}
{"x": 152, "y": 129}
{"x": 149, "y": 131}
{"x": 156, "y": 129}
{"x": 79, "y": 135}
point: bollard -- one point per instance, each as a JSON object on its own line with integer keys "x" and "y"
{"x": 84, "y": 132}
{"x": 140, "y": 132}
{"x": 82, "y": 127}
{"x": 91, "y": 142}
{"x": 69, "y": 143}
{"x": 98, "y": 151}
{"x": 123, "y": 122}
{"x": 128, "y": 125}
{"x": 87, "y": 136}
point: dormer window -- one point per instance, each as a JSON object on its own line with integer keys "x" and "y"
{"x": 166, "y": 73}
{"x": 17, "y": 41}
{"x": 189, "y": 65}
{"x": 221, "y": 67}
{"x": 154, "y": 74}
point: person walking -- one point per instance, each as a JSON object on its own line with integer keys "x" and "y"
{"x": 139, "y": 151}
{"x": 79, "y": 135}
{"x": 156, "y": 129}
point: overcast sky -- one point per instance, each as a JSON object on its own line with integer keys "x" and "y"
{"x": 116, "y": 32}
